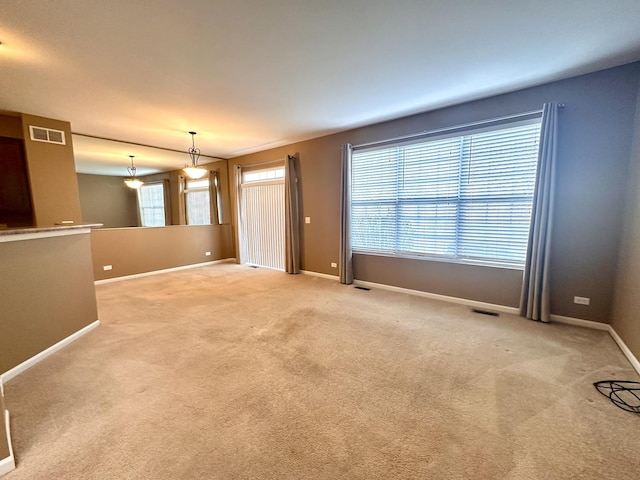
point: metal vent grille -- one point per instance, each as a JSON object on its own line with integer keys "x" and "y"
{"x": 48, "y": 135}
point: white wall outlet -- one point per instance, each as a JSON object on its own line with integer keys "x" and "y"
{"x": 208, "y": 254}
{"x": 307, "y": 219}
{"x": 334, "y": 264}
{"x": 582, "y": 300}
{"x": 107, "y": 267}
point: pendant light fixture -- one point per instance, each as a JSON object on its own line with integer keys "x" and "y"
{"x": 132, "y": 181}
{"x": 194, "y": 171}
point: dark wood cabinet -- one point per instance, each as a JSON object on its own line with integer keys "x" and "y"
{"x": 15, "y": 196}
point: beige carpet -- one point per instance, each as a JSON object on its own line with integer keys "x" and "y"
{"x": 228, "y": 372}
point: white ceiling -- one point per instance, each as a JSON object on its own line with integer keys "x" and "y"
{"x": 248, "y": 75}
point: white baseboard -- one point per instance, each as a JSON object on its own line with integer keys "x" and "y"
{"x": 623, "y": 346}
{"x": 17, "y": 370}
{"x": 601, "y": 326}
{"x": 578, "y": 322}
{"x": 321, "y": 275}
{"x": 7, "y": 464}
{"x": 164, "y": 270}
{"x": 501, "y": 308}
{"x": 444, "y": 298}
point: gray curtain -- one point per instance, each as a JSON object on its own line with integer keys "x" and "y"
{"x": 182, "y": 209}
{"x": 166, "y": 190}
{"x": 214, "y": 197}
{"x": 346, "y": 256}
{"x": 138, "y": 213}
{"x": 292, "y": 216}
{"x": 534, "y": 301}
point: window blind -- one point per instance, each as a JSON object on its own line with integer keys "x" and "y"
{"x": 151, "y": 204}
{"x": 197, "y": 200}
{"x": 465, "y": 198}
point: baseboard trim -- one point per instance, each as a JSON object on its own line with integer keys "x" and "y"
{"x": 7, "y": 464}
{"x": 444, "y": 298}
{"x": 164, "y": 270}
{"x": 17, "y": 370}
{"x": 578, "y": 322}
{"x": 625, "y": 350}
{"x": 605, "y": 327}
{"x": 321, "y": 275}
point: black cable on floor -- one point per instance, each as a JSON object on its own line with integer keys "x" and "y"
{"x": 624, "y": 394}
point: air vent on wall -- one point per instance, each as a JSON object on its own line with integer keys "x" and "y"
{"x": 48, "y": 135}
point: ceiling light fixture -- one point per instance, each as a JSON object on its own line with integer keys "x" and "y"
{"x": 132, "y": 181}
{"x": 194, "y": 171}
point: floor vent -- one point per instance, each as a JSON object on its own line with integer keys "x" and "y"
{"x": 485, "y": 312}
{"x": 362, "y": 288}
{"x": 47, "y": 135}
{"x": 253, "y": 266}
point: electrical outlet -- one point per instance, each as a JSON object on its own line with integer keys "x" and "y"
{"x": 307, "y": 219}
{"x": 334, "y": 264}
{"x": 107, "y": 267}
{"x": 208, "y": 254}
{"x": 582, "y": 300}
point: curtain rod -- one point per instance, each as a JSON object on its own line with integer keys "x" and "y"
{"x": 141, "y": 144}
{"x": 448, "y": 129}
{"x": 280, "y": 160}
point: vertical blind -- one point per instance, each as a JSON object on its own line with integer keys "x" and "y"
{"x": 262, "y": 224}
{"x": 466, "y": 197}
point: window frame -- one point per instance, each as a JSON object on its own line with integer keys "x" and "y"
{"x": 201, "y": 189}
{"x": 142, "y": 207}
{"x": 456, "y": 133}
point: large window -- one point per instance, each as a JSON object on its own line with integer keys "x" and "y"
{"x": 463, "y": 198}
{"x": 151, "y": 204}
{"x": 197, "y": 202}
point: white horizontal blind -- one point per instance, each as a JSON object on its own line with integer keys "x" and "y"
{"x": 464, "y": 197}
{"x": 197, "y": 202}
{"x": 151, "y": 204}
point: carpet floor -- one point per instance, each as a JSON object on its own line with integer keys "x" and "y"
{"x": 229, "y": 372}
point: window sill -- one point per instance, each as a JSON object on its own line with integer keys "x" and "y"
{"x": 432, "y": 258}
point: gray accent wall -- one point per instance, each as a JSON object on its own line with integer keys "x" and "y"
{"x": 626, "y": 312}
{"x": 596, "y": 129}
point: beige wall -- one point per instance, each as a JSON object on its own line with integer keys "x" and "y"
{"x": 107, "y": 200}
{"x": 626, "y": 312}
{"x": 595, "y": 142}
{"x": 48, "y": 294}
{"x": 52, "y": 174}
{"x": 51, "y": 169}
{"x": 138, "y": 250}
